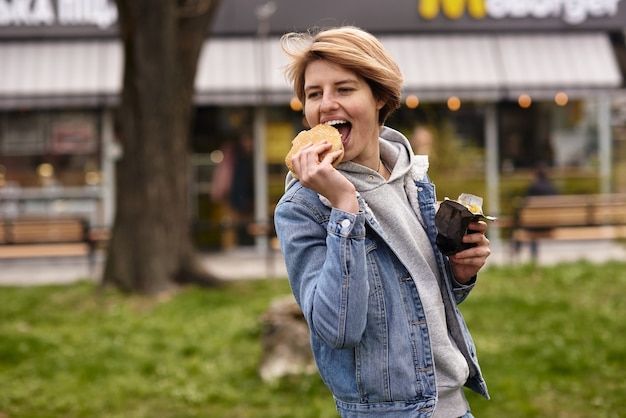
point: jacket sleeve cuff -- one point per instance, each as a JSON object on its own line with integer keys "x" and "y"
{"x": 460, "y": 286}
{"x": 346, "y": 224}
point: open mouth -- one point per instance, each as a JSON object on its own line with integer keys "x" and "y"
{"x": 344, "y": 129}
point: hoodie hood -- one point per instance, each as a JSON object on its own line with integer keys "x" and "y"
{"x": 395, "y": 152}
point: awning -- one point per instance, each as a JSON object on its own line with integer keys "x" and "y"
{"x": 59, "y": 73}
{"x": 242, "y": 71}
{"x": 576, "y": 63}
{"x": 506, "y": 65}
{"x": 435, "y": 67}
{"x": 50, "y": 74}
{"x": 247, "y": 71}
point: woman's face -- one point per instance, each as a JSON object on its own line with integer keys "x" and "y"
{"x": 337, "y": 96}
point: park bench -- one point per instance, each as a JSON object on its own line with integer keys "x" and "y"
{"x": 569, "y": 217}
{"x": 49, "y": 236}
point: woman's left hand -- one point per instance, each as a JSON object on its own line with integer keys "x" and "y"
{"x": 465, "y": 264}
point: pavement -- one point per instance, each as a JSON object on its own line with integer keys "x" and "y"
{"x": 248, "y": 263}
{"x": 238, "y": 264}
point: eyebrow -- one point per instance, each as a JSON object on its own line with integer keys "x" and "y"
{"x": 338, "y": 83}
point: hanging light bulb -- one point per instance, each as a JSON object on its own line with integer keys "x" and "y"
{"x": 454, "y": 103}
{"x": 295, "y": 104}
{"x": 412, "y": 101}
{"x": 561, "y": 98}
{"x": 524, "y": 101}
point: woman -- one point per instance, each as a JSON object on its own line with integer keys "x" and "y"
{"x": 359, "y": 243}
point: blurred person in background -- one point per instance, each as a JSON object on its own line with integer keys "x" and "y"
{"x": 233, "y": 186}
{"x": 379, "y": 297}
{"x": 540, "y": 186}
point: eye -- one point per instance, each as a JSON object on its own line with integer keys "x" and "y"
{"x": 312, "y": 94}
{"x": 345, "y": 90}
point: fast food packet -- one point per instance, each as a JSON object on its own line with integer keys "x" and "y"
{"x": 452, "y": 221}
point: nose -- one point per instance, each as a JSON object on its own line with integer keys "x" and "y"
{"x": 328, "y": 102}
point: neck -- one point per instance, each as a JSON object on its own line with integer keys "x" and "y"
{"x": 383, "y": 170}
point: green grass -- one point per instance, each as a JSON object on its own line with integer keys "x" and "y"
{"x": 551, "y": 340}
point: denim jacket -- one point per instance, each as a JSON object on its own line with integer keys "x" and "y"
{"x": 368, "y": 330}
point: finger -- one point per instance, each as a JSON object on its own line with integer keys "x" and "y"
{"x": 309, "y": 151}
{"x": 322, "y": 146}
{"x": 477, "y": 238}
{"x": 472, "y": 256}
{"x": 478, "y": 226}
{"x": 307, "y": 161}
{"x": 306, "y": 146}
{"x": 332, "y": 156}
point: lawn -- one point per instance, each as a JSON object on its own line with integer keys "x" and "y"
{"x": 551, "y": 340}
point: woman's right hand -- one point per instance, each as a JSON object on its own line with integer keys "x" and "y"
{"x": 323, "y": 178}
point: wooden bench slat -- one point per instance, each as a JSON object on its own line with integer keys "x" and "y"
{"x": 49, "y": 237}
{"x": 571, "y": 210}
{"x": 571, "y": 233}
{"x": 569, "y": 217}
{"x": 23, "y": 231}
{"x": 21, "y": 236}
{"x": 611, "y": 213}
{"x": 44, "y": 250}
{"x": 36, "y": 231}
{"x": 590, "y": 232}
{"x": 553, "y": 216}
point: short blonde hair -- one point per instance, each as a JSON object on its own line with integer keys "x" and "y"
{"x": 352, "y": 48}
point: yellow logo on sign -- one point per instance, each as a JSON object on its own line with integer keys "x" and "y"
{"x": 452, "y": 9}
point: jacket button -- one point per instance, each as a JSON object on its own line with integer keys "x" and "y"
{"x": 345, "y": 223}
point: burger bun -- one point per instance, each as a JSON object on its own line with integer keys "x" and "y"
{"x": 315, "y": 135}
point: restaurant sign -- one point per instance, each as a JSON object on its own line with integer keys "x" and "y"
{"x": 76, "y": 18}
{"x": 570, "y": 11}
{"x": 99, "y": 13}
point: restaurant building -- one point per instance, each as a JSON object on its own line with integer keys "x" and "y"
{"x": 516, "y": 82}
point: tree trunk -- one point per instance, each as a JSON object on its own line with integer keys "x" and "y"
{"x": 151, "y": 248}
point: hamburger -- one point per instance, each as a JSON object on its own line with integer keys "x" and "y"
{"x": 315, "y": 135}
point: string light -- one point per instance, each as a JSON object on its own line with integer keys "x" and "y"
{"x": 454, "y": 103}
{"x": 412, "y": 101}
{"x": 561, "y": 98}
{"x": 45, "y": 170}
{"x": 524, "y": 101}
{"x": 295, "y": 104}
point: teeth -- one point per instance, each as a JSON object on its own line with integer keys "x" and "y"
{"x": 335, "y": 122}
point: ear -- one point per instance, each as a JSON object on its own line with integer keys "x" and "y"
{"x": 380, "y": 104}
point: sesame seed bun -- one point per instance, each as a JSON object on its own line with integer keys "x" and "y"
{"x": 314, "y": 135}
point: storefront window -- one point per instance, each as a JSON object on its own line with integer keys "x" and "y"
{"x": 562, "y": 137}
{"x": 41, "y": 149}
{"x": 223, "y": 139}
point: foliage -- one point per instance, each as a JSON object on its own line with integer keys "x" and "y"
{"x": 550, "y": 341}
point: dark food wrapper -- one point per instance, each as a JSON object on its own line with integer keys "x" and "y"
{"x": 452, "y": 221}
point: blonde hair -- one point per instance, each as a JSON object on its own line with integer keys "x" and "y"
{"x": 351, "y": 48}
